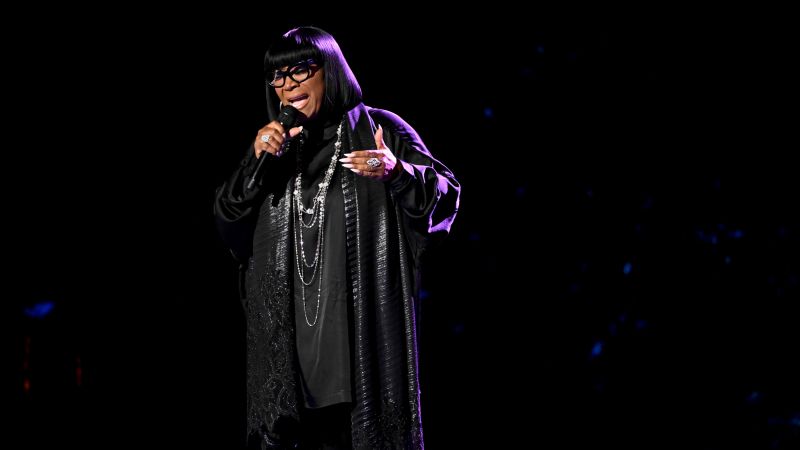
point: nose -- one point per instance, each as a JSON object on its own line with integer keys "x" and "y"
{"x": 289, "y": 83}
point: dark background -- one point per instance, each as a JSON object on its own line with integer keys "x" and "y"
{"x": 623, "y": 271}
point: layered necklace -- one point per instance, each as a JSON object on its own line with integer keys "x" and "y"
{"x": 308, "y": 218}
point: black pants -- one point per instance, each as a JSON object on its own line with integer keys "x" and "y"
{"x": 326, "y": 428}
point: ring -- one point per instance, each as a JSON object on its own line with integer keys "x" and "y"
{"x": 265, "y": 138}
{"x": 373, "y": 162}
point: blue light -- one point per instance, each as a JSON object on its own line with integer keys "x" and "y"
{"x": 709, "y": 238}
{"x": 597, "y": 349}
{"x": 39, "y": 310}
{"x": 736, "y": 234}
{"x": 488, "y": 113}
{"x": 626, "y": 269}
{"x": 775, "y": 421}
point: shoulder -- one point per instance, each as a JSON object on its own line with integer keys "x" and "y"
{"x": 387, "y": 118}
{"x": 394, "y": 124}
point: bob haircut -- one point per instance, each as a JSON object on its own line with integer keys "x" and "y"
{"x": 342, "y": 92}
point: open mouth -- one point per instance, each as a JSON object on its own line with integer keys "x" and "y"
{"x": 298, "y": 101}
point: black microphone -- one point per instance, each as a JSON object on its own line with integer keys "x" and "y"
{"x": 287, "y": 118}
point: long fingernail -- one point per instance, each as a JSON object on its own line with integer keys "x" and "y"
{"x": 345, "y": 160}
{"x": 349, "y": 166}
{"x": 349, "y": 155}
{"x": 356, "y": 171}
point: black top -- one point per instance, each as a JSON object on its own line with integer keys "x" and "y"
{"x": 323, "y": 348}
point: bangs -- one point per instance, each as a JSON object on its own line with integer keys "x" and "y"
{"x": 342, "y": 91}
{"x": 287, "y": 52}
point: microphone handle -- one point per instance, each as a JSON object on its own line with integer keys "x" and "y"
{"x": 264, "y": 156}
{"x": 287, "y": 118}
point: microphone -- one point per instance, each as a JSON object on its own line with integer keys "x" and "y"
{"x": 287, "y": 118}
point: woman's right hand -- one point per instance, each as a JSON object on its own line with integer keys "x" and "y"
{"x": 271, "y": 137}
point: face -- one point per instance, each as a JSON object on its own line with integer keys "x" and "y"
{"x": 307, "y": 94}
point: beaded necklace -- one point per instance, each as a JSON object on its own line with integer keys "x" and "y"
{"x": 317, "y": 217}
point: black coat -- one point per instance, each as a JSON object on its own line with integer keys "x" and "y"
{"x": 388, "y": 227}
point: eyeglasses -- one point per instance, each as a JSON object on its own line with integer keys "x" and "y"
{"x": 299, "y": 73}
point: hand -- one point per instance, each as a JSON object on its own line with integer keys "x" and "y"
{"x": 275, "y": 135}
{"x": 379, "y": 164}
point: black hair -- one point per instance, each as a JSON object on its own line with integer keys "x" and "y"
{"x": 342, "y": 91}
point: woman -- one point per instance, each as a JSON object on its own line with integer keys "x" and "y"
{"x": 330, "y": 237}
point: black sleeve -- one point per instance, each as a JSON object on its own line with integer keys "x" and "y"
{"x": 425, "y": 189}
{"x": 236, "y": 209}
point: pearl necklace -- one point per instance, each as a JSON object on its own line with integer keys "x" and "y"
{"x": 317, "y": 213}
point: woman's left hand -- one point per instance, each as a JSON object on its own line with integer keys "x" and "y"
{"x": 379, "y": 164}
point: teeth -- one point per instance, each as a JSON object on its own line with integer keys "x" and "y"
{"x": 299, "y": 103}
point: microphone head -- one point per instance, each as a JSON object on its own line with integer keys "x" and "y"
{"x": 288, "y": 117}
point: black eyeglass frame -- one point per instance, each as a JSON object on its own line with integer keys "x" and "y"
{"x": 279, "y": 76}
